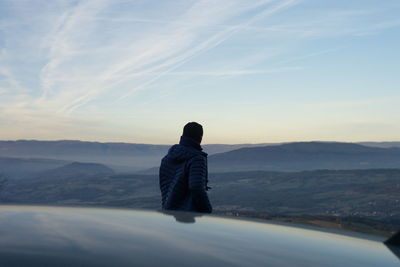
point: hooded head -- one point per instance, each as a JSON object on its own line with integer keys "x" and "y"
{"x": 194, "y": 131}
{"x": 189, "y": 144}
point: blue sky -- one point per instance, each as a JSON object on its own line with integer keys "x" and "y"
{"x": 249, "y": 71}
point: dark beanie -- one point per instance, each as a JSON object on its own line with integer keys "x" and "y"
{"x": 193, "y": 130}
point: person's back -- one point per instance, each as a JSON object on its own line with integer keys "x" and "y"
{"x": 183, "y": 173}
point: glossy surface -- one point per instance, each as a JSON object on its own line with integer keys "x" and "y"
{"x": 54, "y": 236}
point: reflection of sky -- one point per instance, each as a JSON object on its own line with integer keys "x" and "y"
{"x": 259, "y": 70}
{"x": 122, "y": 237}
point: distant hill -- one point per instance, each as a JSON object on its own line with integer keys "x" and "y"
{"x": 77, "y": 169}
{"x": 305, "y": 156}
{"x": 123, "y": 157}
{"x": 130, "y": 157}
{"x": 381, "y": 144}
{"x": 221, "y": 148}
{"x": 15, "y": 168}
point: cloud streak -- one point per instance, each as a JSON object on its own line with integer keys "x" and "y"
{"x": 183, "y": 37}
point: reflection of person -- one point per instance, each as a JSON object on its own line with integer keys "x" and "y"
{"x": 183, "y": 173}
{"x": 183, "y": 217}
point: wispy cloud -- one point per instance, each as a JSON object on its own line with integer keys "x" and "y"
{"x": 177, "y": 47}
{"x": 231, "y": 72}
{"x": 10, "y": 83}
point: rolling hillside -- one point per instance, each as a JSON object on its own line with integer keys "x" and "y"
{"x": 305, "y": 156}
{"x": 77, "y": 170}
{"x": 123, "y": 157}
{"x": 16, "y": 168}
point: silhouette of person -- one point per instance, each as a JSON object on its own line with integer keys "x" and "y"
{"x": 183, "y": 173}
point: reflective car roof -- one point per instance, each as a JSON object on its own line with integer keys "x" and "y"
{"x": 60, "y": 236}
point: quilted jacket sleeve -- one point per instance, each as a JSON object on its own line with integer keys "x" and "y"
{"x": 197, "y": 184}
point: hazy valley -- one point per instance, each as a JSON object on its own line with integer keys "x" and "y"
{"x": 296, "y": 180}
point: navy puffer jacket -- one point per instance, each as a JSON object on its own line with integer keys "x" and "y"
{"x": 183, "y": 178}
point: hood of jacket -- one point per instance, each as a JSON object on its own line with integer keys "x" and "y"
{"x": 186, "y": 149}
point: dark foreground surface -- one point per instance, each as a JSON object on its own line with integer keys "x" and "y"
{"x": 55, "y": 236}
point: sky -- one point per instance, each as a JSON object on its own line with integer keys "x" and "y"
{"x": 256, "y": 71}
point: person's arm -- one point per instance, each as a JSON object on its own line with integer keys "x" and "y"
{"x": 197, "y": 184}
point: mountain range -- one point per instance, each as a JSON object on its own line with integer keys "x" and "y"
{"x": 305, "y": 156}
{"x": 123, "y": 157}
{"x": 36, "y": 156}
{"x": 17, "y": 168}
{"x": 77, "y": 169}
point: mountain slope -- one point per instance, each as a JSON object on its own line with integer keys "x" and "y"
{"x": 77, "y": 169}
{"x": 126, "y": 156}
{"x": 381, "y": 144}
{"x": 305, "y": 156}
{"x": 25, "y": 167}
{"x": 123, "y": 157}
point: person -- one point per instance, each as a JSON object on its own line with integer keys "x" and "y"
{"x": 183, "y": 173}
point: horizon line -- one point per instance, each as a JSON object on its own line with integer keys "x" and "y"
{"x": 208, "y": 144}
